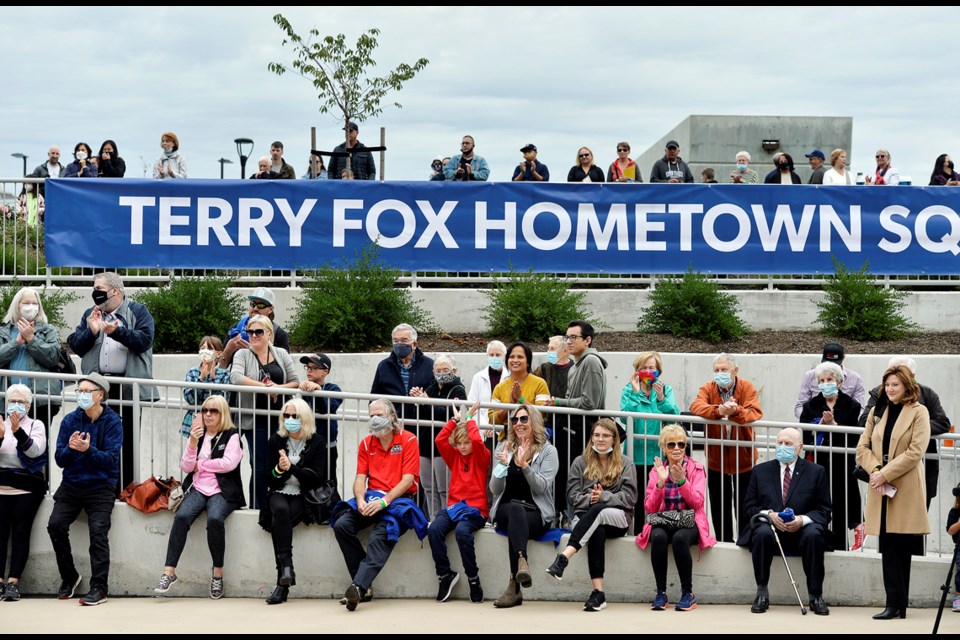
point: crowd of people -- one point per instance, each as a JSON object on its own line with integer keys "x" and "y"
{"x": 531, "y": 474}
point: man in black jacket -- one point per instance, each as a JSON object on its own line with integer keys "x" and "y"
{"x": 671, "y": 167}
{"x": 361, "y": 162}
{"x": 939, "y": 422}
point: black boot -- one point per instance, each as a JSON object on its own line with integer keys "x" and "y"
{"x": 287, "y": 576}
{"x": 279, "y": 595}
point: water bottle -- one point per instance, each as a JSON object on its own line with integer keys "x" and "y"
{"x": 786, "y": 515}
{"x": 860, "y": 179}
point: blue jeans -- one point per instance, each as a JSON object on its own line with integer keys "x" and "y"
{"x": 440, "y": 527}
{"x": 194, "y": 503}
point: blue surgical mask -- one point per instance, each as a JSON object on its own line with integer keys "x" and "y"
{"x": 552, "y": 357}
{"x": 17, "y": 407}
{"x": 495, "y": 363}
{"x": 723, "y": 378}
{"x": 742, "y": 167}
{"x": 828, "y": 389}
{"x": 402, "y": 350}
{"x": 292, "y": 425}
{"x": 85, "y": 400}
{"x": 786, "y": 454}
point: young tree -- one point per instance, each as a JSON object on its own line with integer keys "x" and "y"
{"x": 339, "y": 74}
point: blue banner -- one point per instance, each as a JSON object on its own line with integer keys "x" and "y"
{"x": 560, "y": 227}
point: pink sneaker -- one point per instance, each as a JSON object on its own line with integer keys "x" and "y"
{"x": 858, "y": 537}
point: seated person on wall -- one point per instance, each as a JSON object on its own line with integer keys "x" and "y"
{"x": 388, "y": 464}
{"x": 734, "y": 398}
{"x": 676, "y": 486}
{"x": 446, "y": 385}
{"x": 463, "y": 450}
{"x": 211, "y": 461}
{"x": 522, "y": 485}
{"x": 601, "y": 490}
{"x": 789, "y": 482}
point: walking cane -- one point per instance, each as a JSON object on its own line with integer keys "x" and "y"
{"x": 762, "y": 517}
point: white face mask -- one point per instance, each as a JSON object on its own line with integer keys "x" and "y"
{"x": 81, "y": 155}
{"x": 603, "y": 453}
{"x": 29, "y": 311}
{"x": 29, "y": 188}
{"x": 207, "y": 355}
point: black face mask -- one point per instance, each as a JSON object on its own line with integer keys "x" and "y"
{"x": 783, "y": 166}
{"x": 99, "y": 297}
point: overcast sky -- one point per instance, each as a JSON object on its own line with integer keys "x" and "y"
{"x": 559, "y": 78}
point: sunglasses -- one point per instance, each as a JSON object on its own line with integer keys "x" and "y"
{"x": 290, "y": 415}
{"x": 259, "y": 304}
{"x": 584, "y": 155}
{"x": 520, "y": 419}
{"x": 880, "y": 156}
{"x": 622, "y": 149}
{"x": 677, "y": 445}
{"x": 210, "y": 410}
{"x": 256, "y": 332}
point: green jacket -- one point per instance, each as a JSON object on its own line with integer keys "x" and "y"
{"x": 644, "y": 451}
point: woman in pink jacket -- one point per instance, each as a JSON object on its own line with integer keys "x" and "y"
{"x": 678, "y": 485}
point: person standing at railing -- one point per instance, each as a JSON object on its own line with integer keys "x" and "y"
{"x": 262, "y": 303}
{"x": 645, "y": 392}
{"x": 51, "y": 168}
{"x": 730, "y": 464}
{"x": 520, "y": 386}
{"x": 29, "y": 343}
{"x": 88, "y": 451}
{"x": 557, "y": 367}
{"x": 23, "y": 457}
{"x": 30, "y": 204}
{"x": 317, "y": 366}
{"x": 115, "y": 338}
{"x": 262, "y": 365}
{"x": 405, "y": 369}
{"x": 111, "y": 165}
{"x": 832, "y": 407}
{"x": 171, "y": 163}
{"x": 83, "y": 165}
{"x": 851, "y": 383}
{"x": 487, "y": 379}
{"x": 208, "y": 372}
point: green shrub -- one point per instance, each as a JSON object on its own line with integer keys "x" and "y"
{"x": 857, "y": 308}
{"x": 533, "y": 306}
{"x": 22, "y": 252}
{"x": 355, "y": 307}
{"x": 54, "y": 300}
{"x": 692, "y": 307}
{"x": 186, "y": 309}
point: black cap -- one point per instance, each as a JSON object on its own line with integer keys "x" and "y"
{"x": 351, "y": 126}
{"x": 529, "y": 147}
{"x": 319, "y": 359}
{"x": 673, "y": 143}
{"x": 833, "y": 352}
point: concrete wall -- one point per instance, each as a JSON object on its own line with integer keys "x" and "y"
{"x": 462, "y": 310}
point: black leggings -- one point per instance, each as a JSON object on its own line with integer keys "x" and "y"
{"x": 287, "y": 511}
{"x": 596, "y": 539}
{"x": 521, "y": 525}
{"x": 16, "y": 521}
{"x": 682, "y": 540}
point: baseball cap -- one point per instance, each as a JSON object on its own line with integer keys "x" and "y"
{"x": 529, "y": 147}
{"x": 319, "y": 359}
{"x": 816, "y": 153}
{"x": 98, "y": 380}
{"x": 833, "y": 352}
{"x": 351, "y": 126}
{"x": 673, "y": 143}
{"x": 262, "y": 293}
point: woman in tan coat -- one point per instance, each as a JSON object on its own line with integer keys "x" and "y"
{"x": 891, "y": 450}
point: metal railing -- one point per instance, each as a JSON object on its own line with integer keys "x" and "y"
{"x": 157, "y": 443}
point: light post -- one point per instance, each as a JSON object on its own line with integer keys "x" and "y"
{"x": 244, "y": 149}
{"x": 20, "y": 155}
{"x": 222, "y": 162}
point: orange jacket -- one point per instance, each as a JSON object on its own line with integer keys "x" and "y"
{"x": 730, "y": 458}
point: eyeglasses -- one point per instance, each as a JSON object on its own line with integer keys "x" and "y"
{"x": 619, "y": 149}
{"x": 571, "y": 338}
{"x": 212, "y": 410}
{"x": 256, "y": 332}
{"x": 257, "y": 304}
{"x": 313, "y": 367}
{"x": 584, "y": 155}
{"x": 88, "y": 390}
{"x": 290, "y": 415}
{"x": 677, "y": 445}
{"x": 520, "y": 419}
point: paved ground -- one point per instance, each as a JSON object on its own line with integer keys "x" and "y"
{"x": 244, "y": 615}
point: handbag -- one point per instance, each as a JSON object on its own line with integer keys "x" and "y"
{"x": 321, "y": 501}
{"x": 671, "y": 519}
{"x": 149, "y": 496}
{"x": 861, "y": 474}
{"x": 175, "y": 497}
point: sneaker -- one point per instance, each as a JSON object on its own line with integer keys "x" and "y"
{"x": 596, "y": 602}
{"x": 476, "y": 591}
{"x": 95, "y": 597}
{"x": 956, "y": 603}
{"x": 216, "y": 587}
{"x": 364, "y": 597}
{"x": 164, "y": 584}
{"x": 858, "y": 537}
{"x": 688, "y": 602}
{"x": 12, "y": 592}
{"x": 556, "y": 569}
{"x": 446, "y": 585}
{"x": 67, "y": 588}
{"x": 352, "y": 596}
{"x": 659, "y": 601}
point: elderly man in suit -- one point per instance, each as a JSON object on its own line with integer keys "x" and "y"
{"x": 789, "y": 481}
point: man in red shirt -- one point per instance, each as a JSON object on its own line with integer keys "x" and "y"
{"x": 461, "y": 447}
{"x": 388, "y": 469}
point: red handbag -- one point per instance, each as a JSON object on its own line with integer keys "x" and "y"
{"x": 150, "y": 495}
